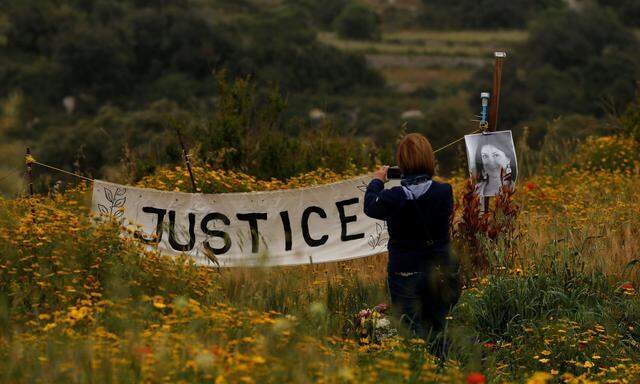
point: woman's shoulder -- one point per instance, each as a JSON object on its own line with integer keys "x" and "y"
{"x": 395, "y": 191}
{"x": 441, "y": 191}
{"x": 441, "y": 186}
{"x": 392, "y": 195}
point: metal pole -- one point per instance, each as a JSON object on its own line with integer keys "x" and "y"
{"x": 186, "y": 159}
{"x": 484, "y": 118}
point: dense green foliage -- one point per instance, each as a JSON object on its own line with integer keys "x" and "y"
{"x": 246, "y": 131}
{"x": 97, "y": 80}
{"x": 358, "y": 22}
{"x": 131, "y": 52}
{"x": 498, "y": 14}
{"x": 631, "y": 119}
{"x": 324, "y": 12}
{"x": 628, "y": 10}
{"x": 485, "y": 14}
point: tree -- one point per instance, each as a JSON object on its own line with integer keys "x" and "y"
{"x": 358, "y": 22}
{"x": 627, "y": 10}
{"x": 323, "y": 13}
{"x": 282, "y": 49}
{"x": 4, "y": 26}
{"x": 592, "y": 49}
{"x": 175, "y": 39}
{"x": 94, "y": 60}
{"x": 483, "y": 14}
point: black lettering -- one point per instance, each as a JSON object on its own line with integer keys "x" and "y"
{"x": 155, "y": 239}
{"x": 286, "y": 223}
{"x": 344, "y": 220}
{"x": 305, "y": 226}
{"x": 253, "y": 218}
{"x": 216, "y": 233}
{"x": 172, "y": 235}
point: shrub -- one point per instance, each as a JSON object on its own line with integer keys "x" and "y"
{"x": 358, "y": 22}
{"x": 630, "y": 120}
{"x": 482, "y": 14}
{"x": 627, "y": 10}
{"x": 487, "y": 239}
{"x": 247, "y": 134}
{"x": 323, "y": 13}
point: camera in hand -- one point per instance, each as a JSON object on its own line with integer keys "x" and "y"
{"x": 394, "y": 173}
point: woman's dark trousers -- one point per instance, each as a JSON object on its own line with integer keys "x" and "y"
{"x": 422, "y": 300}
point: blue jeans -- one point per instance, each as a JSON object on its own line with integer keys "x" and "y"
{"x": 423, "y": 298}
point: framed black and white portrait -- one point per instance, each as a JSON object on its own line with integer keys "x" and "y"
{"x": 492, "y": 161}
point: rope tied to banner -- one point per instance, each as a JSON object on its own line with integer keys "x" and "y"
{"x": 455, "y": 141}
{"x": 29, "y": 160}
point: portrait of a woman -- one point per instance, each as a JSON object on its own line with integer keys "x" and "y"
{"x": 492, "y": 161}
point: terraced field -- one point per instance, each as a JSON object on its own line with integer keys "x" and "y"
{"x": 410, "y": 60}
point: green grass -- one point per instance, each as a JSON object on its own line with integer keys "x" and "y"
{"x": 410, "y": 79}
{"x": 431, "y": 43}
{"x": 461, "y": 37}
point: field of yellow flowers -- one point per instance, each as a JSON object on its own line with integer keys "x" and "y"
{"x": 557, "y": 301}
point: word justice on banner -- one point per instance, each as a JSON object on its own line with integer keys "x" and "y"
{"x": 289, "y": 227}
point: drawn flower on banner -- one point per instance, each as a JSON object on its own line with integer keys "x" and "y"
{"x": 116, "y": 199}
{"x": 380, "y": 238}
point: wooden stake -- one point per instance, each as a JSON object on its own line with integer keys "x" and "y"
{"x": 494, "y": 105}
{"x": 29, "y": 172}
{"x": 30, "y": 180}
{"x": 495, "y": 95}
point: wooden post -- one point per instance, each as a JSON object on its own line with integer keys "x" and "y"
{"x": 30, "y": 180}
{"x": 185, "y": 153}
{"x": 494, "y": 104}
{"x": 29, "y": 172}
{"x": 495, "y": 95}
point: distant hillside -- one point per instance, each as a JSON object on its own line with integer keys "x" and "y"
{"x": 483, "y": 14}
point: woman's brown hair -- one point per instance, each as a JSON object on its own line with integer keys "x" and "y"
{"x": 415, "y": 155}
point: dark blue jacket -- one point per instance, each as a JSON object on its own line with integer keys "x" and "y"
{"x": 418, "y": 228}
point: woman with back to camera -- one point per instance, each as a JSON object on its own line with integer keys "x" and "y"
{"x": 422, "y": 275}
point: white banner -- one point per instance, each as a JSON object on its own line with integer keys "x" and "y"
{"x": 288, "y": 227}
